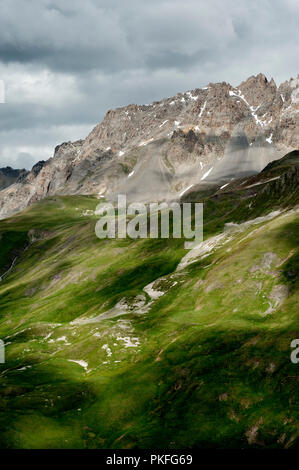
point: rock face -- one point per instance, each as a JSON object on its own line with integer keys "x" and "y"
{"x": 154, "y": 152}
{"x": 9, "y": 176}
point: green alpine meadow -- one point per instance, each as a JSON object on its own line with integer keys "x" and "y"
{"x": 140, "y": 343}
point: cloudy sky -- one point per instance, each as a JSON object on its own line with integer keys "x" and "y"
{"x": 65, "y": 63}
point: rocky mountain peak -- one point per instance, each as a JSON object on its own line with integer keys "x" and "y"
{"x": 258, "y": 90}
{"x": 217, "y": 130}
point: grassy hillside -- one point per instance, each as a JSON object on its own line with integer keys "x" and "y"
{"x": 206, "y": 364}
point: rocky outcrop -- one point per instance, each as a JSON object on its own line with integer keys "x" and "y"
{"x": 10, "y": 175}
{"x": 218, "y": 132}
{"x": 37, "y": 167}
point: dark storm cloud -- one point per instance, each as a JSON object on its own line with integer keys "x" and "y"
{"x": 83, "y": 35}
{"x": 65, "y": 63}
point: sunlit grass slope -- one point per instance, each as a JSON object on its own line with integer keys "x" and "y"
{"x": 94, "y": 361}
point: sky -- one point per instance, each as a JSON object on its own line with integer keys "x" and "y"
{"x": 65, "y": 63}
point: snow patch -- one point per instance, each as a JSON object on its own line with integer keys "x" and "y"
{"x": 252, "y": 109}
{"x": 62, "y": 338}
{"x": 262, "y": 182}
{"x": 185, "y": 190}
{"x": 107, "y": 349}
{"x": 206, "y": 174}
{"x": 24, "y": 368}
{"x": 192, "y": 97}
{"x": 202, "y": 109}
{"x": 81, "y": 363}
{"x": 129, "y": 342}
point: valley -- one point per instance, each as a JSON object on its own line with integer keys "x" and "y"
{"x": 122, "y": 343}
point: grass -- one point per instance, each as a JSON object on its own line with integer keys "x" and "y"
{"x": 206, "y": 366}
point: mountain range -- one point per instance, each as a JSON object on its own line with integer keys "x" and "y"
{"x": 139, "y": 343}
{"x": 207, "y": 135}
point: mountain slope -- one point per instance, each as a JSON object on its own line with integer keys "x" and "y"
{"x": 10, "y": 176}
{"x": 140, "y": 343}
{"x": 219, "y": 131}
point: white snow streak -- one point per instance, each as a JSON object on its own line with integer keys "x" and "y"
{"x": 206, "y": 174}
{"x": 185, "y": 190}
{"x": 252, "y": 109}
{"x": 202, "y": 109}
